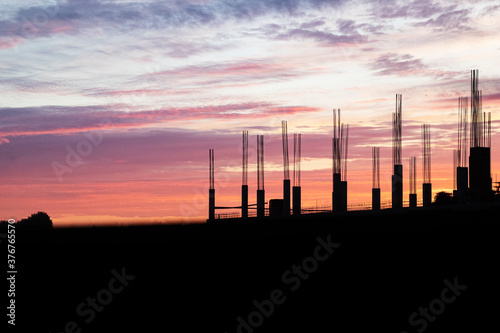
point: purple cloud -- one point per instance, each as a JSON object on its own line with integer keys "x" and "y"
{"x": 407, "y": 65}
{"x": 347, "y": 27}
{"x": 420, "y": 9}
{"x": 397, "y": 64}
{"x": 450, "y": 21}
{"x": 74, "y": 15}
{"x": 322, "y": 37}
{"x": 351, "y": 28}
{"x": 312, "y": 24}
{"x": 66, "y": 120}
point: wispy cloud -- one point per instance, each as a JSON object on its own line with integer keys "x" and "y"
{"x": 322, "y": 37}
{"x": 398, "y": 64}
{"x": 66, "y": 120}
{"x": 74, "y": 15}
{"x": 455, "y": 20}
{"x": 420, "y": 9}
{"x": 241, "y": 71}
{"x": 407, "y": 65}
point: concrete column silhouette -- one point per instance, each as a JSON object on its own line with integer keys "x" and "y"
{"x": 244, "y": 201}
{"x": 286, "y": 197}
{"x": 427, "y": 194}
{"x": 375, "y": 199}
{"x": 463, "y": 185}
{"x": 261, "y": 200}
{"x": 297, "y": 208}
{"x": 397, "y": 187}
{"x": 481, "y": 186}
{"x": 413, "y": 200}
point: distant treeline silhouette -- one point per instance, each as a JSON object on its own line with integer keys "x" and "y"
{"x": 443, "y": 198}
{"x": 40, "y": 220}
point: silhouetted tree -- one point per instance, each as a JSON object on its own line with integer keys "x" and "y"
{"x": 443, "y": 198}
{"x": 3, "y": 227}
{"x": 40, "y": 220}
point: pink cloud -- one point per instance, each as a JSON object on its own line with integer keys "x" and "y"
{"x": 60, "y": 27}
{"x": 6, "y": 43}
{"x": 71, "y": 130}
{"x": 374, "y": 100}
{"x": 229, "y": 111}
{"x": 148, "y": 92}
{"x": 239, "y": 71}
{"x": 41, "y": 121}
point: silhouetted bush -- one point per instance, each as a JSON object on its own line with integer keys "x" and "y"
{"x": 443, "y": 198}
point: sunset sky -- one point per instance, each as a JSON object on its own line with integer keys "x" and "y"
{"x": 108, "y": 108}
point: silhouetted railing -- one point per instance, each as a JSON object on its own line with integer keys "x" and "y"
{"x": 320, "y": 209}
{"x": 237, "y": 215}
{"x": 316, "y": 209}
{"x": 359, "y": 206}
{"x": 228, "y": 216}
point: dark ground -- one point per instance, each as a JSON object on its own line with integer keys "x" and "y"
{"x": 201, "y": 278}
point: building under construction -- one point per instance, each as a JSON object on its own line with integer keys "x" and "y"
{"x": 472, "y": 173}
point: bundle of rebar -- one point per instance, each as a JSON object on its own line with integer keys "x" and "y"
{"x": 336, "y": 141}
{"x": 260, "y": 162}
{"x": 461, "y": 158}
{"x": 296, "y": 158}
{"x": 476, "y": 128}
{"x": 426, "y": 152}
{"x": 244, "y": 176}
{"x": 480, "y": 128}
{"x": 211, "y": 169}
{"x": 376, "y": 167}
{"x": 396, "y": 131}
{"x": 284, "y": 140}
{"x": 413, "y": 175}
{"x": 339, "y": 145}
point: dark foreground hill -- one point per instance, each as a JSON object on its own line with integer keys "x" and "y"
{"x": 414, "y": 271}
